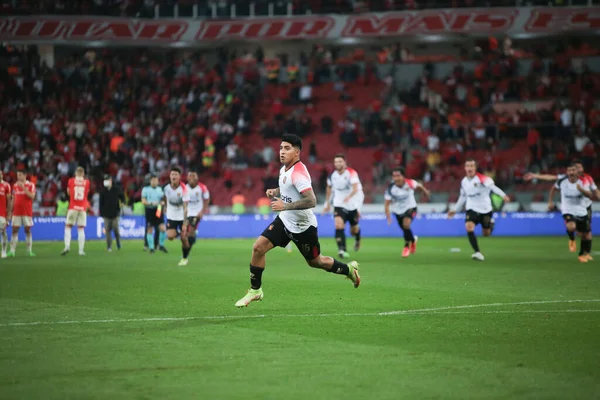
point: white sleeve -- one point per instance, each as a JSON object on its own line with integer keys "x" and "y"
{"x": 354, "y": 178}
{"x": 329, "y": 181}
{"x": 301, "y": 181}
{"x": 186, "y": 194}
{"x": 593, "y": 186}
{"x": 462, "y": 199}
{"x": 387, "y": 195}
{"x": 497, "y": 190}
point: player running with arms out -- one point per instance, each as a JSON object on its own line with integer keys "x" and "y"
{"x": 400, "y": 195}
{"x": 475, "y": 191}
{"x": 152, "y": 198}
{"x": 78, "y": 190}
{"x": 24, "y": 193}
{"x": 574, "y": 209}
{"x": 348, "y": 196}
{"x": 199, "y": 198}
{"x": 294, "y": 199}
{"x": 177, "y": 199}
{"x": 587, "y": 183}
{"x": 6, "y": 204}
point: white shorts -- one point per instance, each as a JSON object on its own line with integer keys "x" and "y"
{"x": 76, "y": 218}
{"x": 2, "y": 223}
{"x": 22, "y": 220}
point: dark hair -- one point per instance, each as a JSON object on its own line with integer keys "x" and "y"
{"x": 192, "y": 170}
{"x": 294, "y": 140}
{"x": 340, "y": 155}
{"x": 399, "y": 169}
{"x": 576, "y": 161}
{"x": 572, "y": 164}
{"x": 152, "y": 176}
{"x": 176, "y": 169}
{"x": 470, "y": 160}
{"x": 22, "y": 170}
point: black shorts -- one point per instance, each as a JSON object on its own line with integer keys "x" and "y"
{"x": 176, "y": 225}
{"x": 350, "y": 216}
{"x": 193, "y": 225}
{"x": 484, "y": 219}
{"x": 151, "y": 219}
{"x": 307, "y": 242}
{"x": 589, "y": 216}
{"x": 410, "y": 213}
{"x": 582, "y": 224}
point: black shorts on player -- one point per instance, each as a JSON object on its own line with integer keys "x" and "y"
{"x": 582, "y": 224}
{"x": 350, "y": 216}
{"x": 152, "y": 221}
{"x": 411, "y": 213}
{"x": 589, "y": 216}
{"x": 193, "y": 223}
{"x": 176, "y": 225}
{"x": 307, "y": 242}
{"x": 484, "y": 219}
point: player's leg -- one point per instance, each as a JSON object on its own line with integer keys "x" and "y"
{"x": 582, "y": 227}
{"x": 185, "y": 246}
{"x": 108, "y": 234}
{"x": 340, "y": 232}
{"x": 308, "y": 244}
{"x": 355, "y": 229}
{"x": 3, "y": 236}
{"x": 162, "y": 236}
{"x": 273, "y": 236}
{"x": 409, "y": 238}
{"x": 29, "y": 236}
{"x": 17, "y": 221}
{"x": 81, "y": 224}
{"x": 487, "y": 224}
{"x": 570, "y": 226}
{"x": 67, "y": 238}
{"x": 148, "y": 224}
{"x": 149, "y": 236}
{"x": 472, "y": 219}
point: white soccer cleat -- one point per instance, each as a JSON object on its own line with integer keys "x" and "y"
{"x": 183, "y": 262}
{"x": 252, "y": 295}
{"x": 3, "y": 255}
{"x": 81, "y": 253}
{"x": 477, "y": 256}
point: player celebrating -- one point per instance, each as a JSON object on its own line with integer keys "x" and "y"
{"x": 587, "y": 183}
{"x": 475, "y": 191}
{"x": 199, "y": 198}
{"x": 347, "y": 199}
{"x": 5, "y": 211}
{"x": 574, "y": 209}
{"x": 78, "y": 189}
{"x": 177, "y": 199}
{"x": 23, "y": 192}
{"x": 294, "y": 199}
{"x": 401, "y": 196}
{"x": 152, "y": 198}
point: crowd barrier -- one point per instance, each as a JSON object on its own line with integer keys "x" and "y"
{"x": 372, "y": 225}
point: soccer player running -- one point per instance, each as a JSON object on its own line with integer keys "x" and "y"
{"x": 152, "y": 198}
{"x": 24, "y": 193}
{"x": 475, "y": 191}
{"x": 294, "y": 199}
{"x": 574, "y": 209}
{"x": 400, "y": 195}
{"x": 177, "y": 199}
{"x": 199, "y": 198}
{"x": 6, "y": 203}
{"x": 587, "y": 183}
{"x": 78, "y": 190}
{"x": 348, "y": 196}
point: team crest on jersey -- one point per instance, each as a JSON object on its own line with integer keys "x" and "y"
{"x": 271, "y": 227}
{"x": 476, "y": 184}
{"x": 284, "y": 179}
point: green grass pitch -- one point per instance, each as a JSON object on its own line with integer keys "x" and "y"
{"x": 524, "y": 324}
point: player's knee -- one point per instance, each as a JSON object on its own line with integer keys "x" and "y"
{"x": 571, "y": 227}
{"x": 486, "y": 232}
{"x": 259, "y": 248}
{"x": 406, "y": 223}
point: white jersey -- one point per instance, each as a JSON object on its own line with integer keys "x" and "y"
{"x": 292, "y": 183}
{"x": 476, "y": 193}
{"x": 587, "y": 182}
{"x": 402, "y": 197}
{"x": 175, "y": 199}
{"x": 571, "y": 200}
{"x": 197, "y": 195}
{"x": 341, "y": 187}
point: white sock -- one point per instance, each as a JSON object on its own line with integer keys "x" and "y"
{"x": 4, "y": 241}
{"x": 29, "y": 241}
{"x": 13, "y": 242}
{"x": 81, "y": 239}
{"x": 67, "y": 238}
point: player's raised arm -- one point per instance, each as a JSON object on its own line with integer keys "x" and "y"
{"x": 541, "y": 177}
{"x": 423, "y": 189}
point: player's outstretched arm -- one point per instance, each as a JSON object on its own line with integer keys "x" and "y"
{"x": 541, "y": 177}
{"x": 500, "y": 192}
{"x": 423, "y": 189}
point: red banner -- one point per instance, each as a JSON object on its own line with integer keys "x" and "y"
{"x": 475, "y": 21}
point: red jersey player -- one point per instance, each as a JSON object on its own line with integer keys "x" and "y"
{"x": 23, "y": 192}
{"x": 78, "y": 189}
{"x": 5, "y": 211}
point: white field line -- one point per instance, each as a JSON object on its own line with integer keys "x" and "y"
{"x": 421, "y": 311}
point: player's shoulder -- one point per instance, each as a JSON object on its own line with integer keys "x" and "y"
{"x": 411, "y": 183}
{"x": 483, "y": 178}
{"x": 203, "y": 187}
{"x": 587, "y": 178}
{"x": 390, "y": 187}
{"x": 300, "y": 170}
{"x": 351, "y": 171}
